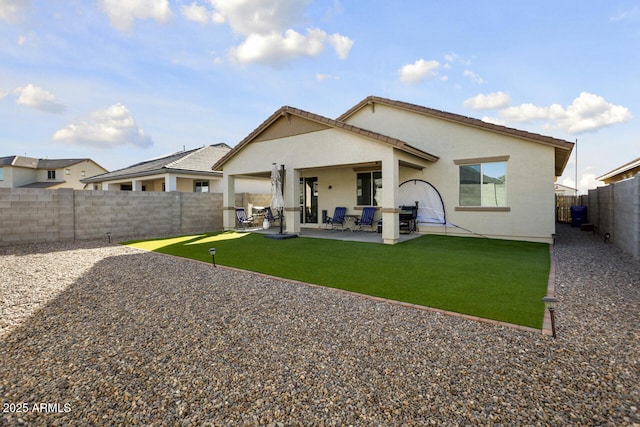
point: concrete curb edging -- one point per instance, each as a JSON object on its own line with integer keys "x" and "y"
{"x": 390, "y": 301}
{"x": 551, "y": 291}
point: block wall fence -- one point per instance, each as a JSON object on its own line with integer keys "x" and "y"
{"x": 39, "y": 215}
{"x": 615, "y": 209}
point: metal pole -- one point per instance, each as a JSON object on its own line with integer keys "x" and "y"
{"x": 576, "y": 169}
{"x": 553, "y": 322}
{"x": 282, "y": 190}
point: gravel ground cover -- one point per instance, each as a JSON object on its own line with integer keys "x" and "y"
{"x": 97, "y": 334}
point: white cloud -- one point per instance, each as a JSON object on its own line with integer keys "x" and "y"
{"x": 494, "y": 121}
{"x": 195, "y": 12}
{"x": 624, "y": 15}
{"x": 419, "y": 70}
{"x": 111, "y": 127}
{"x": 454, "y": 57}
{"x": 525, "y": 113}
{"x": 335, "y": 9}
{"x": 588, "y": 112}
{"x": 3, "y": 93}
{"x": 121, "y": 13}
{"x": 341, "y": 44}
{"x": 275, "y": 49}
{"x": 11, "y": 10}
{"x": 267, "y": 28}
{"x": 322, "y": 77}
{"x": 35, "y": 97}
{"x": 586, "y": 181}
{"x": 591, "y": 112}
{"x": 261, "y": 16}
{"x": 474, "y": 77}
{"x": 489, "y": 101}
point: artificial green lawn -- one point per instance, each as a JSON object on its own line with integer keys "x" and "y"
{"x": 495, "y": 279}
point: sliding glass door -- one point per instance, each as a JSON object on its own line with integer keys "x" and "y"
{"x": 309, "y": 200}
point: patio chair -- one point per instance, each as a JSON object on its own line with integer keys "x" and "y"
{"x": 242, "y": 219}
{"x": 337, "y": 219}
{"x": 269, "y": 216}
{"x": 366, "y": 219}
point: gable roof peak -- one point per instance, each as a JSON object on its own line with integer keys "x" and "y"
{"x": 562, "y": 148}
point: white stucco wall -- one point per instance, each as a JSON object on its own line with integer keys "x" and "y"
{"x": 314, "y": 149}
{"x": 530, "y": 171}
{"x": 17, "y": 176}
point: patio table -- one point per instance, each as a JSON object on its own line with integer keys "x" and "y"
{"x": 350, "y": 221}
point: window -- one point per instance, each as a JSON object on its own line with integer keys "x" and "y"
{"x": 201, "y": 186}
{"x": 51, "y": 174}
{"x": 483, "y": 184}
{"x": 369, "y": 189}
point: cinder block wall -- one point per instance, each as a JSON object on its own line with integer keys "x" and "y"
{"x": 33, "y": 215}
{"x": 615, "y": 209}
{"x": 38, "y": 215}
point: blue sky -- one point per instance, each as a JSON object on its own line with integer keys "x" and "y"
{"x": 121, "y": 82}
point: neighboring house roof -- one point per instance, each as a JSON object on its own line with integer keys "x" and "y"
{"x": 625, "y": 171}
{"x": 43, "y": 184}
{"x": 33, "y": 163}
{"x": 197, "y": 161}
{"x": 562, "y": 148}
{"x": 329, "y": 123}
{"x": 563, "y": 188}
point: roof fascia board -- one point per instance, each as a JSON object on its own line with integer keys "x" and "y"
{"x": 335, "y": 124}
{"x": 153, "y": 174}
{"x": 622, "y": 169}
{"x": 459, "y": 119}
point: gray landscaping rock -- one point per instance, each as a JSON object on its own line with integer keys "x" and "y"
{"x": 108, "y": 335}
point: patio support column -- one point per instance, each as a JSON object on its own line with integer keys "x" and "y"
{"x": 390, "y": 209}
{"x": 228, "y": 202}
{"x": 136, "y": 185}
{"x": 292, "y": 200}
{"x": 170, "y": 183}
{"x": 107, "y": 186}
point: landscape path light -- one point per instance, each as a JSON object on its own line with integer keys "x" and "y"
{"x": 212, "y": 251}
{"x": 550, "y": 304}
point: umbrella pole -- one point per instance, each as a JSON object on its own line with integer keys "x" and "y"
{"x": 282, "y": 190}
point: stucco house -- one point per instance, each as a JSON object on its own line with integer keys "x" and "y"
{"x": 186, "y": 171}
{"x": 563, "y": 190}
{"x": 29, "y": 172}
{"x": 467, "y": 176}
{"x": 626, "y": 171}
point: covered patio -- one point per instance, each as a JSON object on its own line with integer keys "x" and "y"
{"x": 350, "y": 236}
{"x": 327, "y": 164}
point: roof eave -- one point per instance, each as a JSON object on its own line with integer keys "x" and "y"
{"x": 336, "y": 124}
{"x": 101, "y": 178}
{"x": 622, "y": 169}
{"x": 559, "y": 144}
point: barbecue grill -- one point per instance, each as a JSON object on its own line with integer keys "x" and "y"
{"x": 408, "y": 215}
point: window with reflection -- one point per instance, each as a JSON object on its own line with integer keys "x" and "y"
{"x": 483, "y": 184}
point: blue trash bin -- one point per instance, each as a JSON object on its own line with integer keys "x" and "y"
{"x": 578, "y": 215}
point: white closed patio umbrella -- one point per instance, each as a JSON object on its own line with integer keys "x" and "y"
{"x": 277, "y": 194}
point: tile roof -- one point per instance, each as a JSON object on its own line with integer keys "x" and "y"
{"x": 198, "y": 160}
{"x": 336, "y": 124}
{"x": 627, "y": 167}
{"x": 43, "y": 184}
{"x": 33, "y": 163}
